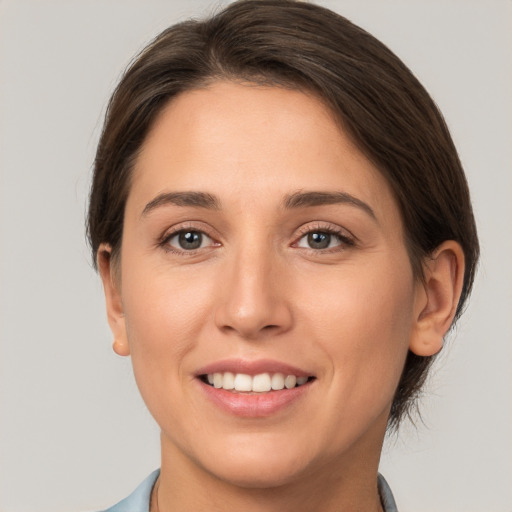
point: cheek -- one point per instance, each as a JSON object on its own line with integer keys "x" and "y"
{"x": 157, "y": 311}
{"x": 362, "y": 321}
{"x": 164, "y": 314}
{"x": 353, "y": 300}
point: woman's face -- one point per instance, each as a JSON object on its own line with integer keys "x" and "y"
{"x": 258, "y": 241}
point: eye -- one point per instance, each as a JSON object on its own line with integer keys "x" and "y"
{"x": 324, "y": 238}
{"x": 188, "y": 240}
{"x": 319, "y": 240}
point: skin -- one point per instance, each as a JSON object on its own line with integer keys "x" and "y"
{"x": 255, "y": 289}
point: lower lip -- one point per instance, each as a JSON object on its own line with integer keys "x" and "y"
{"x": 254, "y": 405}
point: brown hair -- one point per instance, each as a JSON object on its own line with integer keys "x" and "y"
{"x": 381, "y": 105}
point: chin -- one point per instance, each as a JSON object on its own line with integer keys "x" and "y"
{"x": 259, "y": 476}
{"x": 258, "y": 464}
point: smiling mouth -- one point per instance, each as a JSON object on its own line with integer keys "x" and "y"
{"x": 260, "y": 383}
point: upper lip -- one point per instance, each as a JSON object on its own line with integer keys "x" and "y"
{"x": 252, "y": 367}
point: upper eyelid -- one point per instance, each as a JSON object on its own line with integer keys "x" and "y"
{"x": 169, "y": 234}
{"x": 209, "y": 231}
{"x": 324, "y": 226}
{"x": 198, "y": 226}
{"x": 173, "y": 234}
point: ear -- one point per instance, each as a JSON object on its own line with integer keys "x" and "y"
{"x": 437, "y": 298}
{"x": 111, "y": 287}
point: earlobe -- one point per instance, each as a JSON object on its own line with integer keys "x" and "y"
{"x": 111, "y": 288}
{"x": 121, "y": 347}
{"x": 437, "y": 298}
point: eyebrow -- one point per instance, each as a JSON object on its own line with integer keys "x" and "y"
{"x": 292, "y": 201}
{"x": 308, "y": 199}
{"x": 194, "y": 199}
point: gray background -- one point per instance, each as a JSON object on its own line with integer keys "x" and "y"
{"x": 74, "y": 435}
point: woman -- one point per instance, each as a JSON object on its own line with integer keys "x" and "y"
{"x": 284, "y": 234}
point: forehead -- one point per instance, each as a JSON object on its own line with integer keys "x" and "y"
{"x": 253, "y": 141}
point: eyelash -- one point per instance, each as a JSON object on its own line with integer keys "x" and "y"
{"x": 346, "y": 241}
{"x": 184, "y": 228}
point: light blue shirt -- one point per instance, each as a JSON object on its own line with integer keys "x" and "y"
{"x": 138, "y": 501}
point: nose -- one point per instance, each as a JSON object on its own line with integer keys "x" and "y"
{"x": 254, "y": 303}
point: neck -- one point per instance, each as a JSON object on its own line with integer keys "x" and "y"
{"x": 337, "y": 486}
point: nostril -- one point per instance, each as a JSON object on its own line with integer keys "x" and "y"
{"x": 249, "y": 316}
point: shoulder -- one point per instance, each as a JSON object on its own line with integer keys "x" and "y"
{"x": 386, "y": 496}
{"x": 138, "y": 500}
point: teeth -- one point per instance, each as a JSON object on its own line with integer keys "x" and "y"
{"x": 278, "y": 381}
{"x": 228, "y": 381}
{"x": 290, "y": 381}
{"x": 243, "y": 382}
{"x": 217, "y": 380}
{"x": 261, "y": 383}
{"x": 301, "y": 380}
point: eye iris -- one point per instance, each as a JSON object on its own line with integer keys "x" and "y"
{"x": 190, "y": 240}
{"x": 319, "y": 240}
